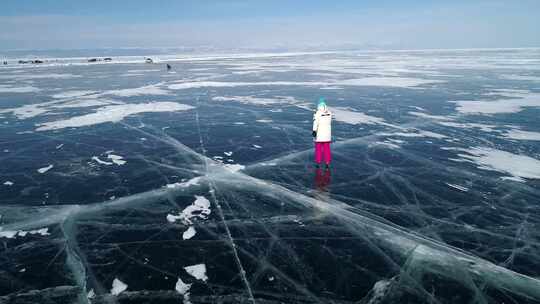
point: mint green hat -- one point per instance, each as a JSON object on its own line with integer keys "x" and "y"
{"x": 322, "y": 102}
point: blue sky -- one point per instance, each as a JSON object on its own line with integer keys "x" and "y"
{"x": 409, "y": 24}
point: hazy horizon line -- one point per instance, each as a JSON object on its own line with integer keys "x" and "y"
{"x": 272, "y": 49}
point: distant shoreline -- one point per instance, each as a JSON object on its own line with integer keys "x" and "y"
{"x": 121, "y": 55}
{"x": 75, "y": 54}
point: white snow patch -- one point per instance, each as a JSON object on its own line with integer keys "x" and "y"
{"x": 8, "y": 234}
{"x": 200, "y": 208}
{"x": 8, "y": 183}
{"x": 118, "y": 287}
{"x": 86, "y": 103}
{"x": 145, "y": 90}
{"x": 33, "y": 110}
{"x": 91, "y": 294}
{"x": 117, "y": 159}
{"x": 415, "y": 133}
{"x": 191, "y": 182}
{"x": 431, "y": 134}
{"x": 347, "y": 116}
{"x": 521, "y": 77}
{"x": 23, "y": 89}
{"x": 72, "y": 94}
{"x": 26, "y": 111}
{"x": 379, "y": 289}
{"x": 458, "y": 187}
{"x": 22, "y": 233}
{"x": 214, "y": 84}
{"x": 401, "y": 82}
{"x": 39, "y": 76}
{"x": 434, "y": 117}
{"x": 509, "y": 92}
{"x": 248, "y": 100}
{"x": 517, "y": 166}
{"x": 143, "y": 71}
{"x": 522, "y": 135}
{"x": 131, "y": 75}
{"x": 449, "y": 122}
{"x": 172, "y": 218}
{"x": 42, "y": 231}
{"x": 387, "y": 144}
{"x": 469, "y": 125}
{"x": 397, "y": 141}
{"x": 505, "y": 105}
{"x": 234, "y": 167}
{"x": 513, "y": 178}
{"x": 189, "y": 233}
{"x": 113, "y": 113}
{"x": 101, "y": 162}
{"x": 183, "y": 289}
{"x": 257, "y": 146}
{"x": 45, "y": 169}
{"x": 261, "y": 101}
{"x": 371, "y": 81}
{"x": 228, "y": 153}
{"x": 197, "y": 271}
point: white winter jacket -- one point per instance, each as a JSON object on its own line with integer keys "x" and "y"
{"x": 322, "y": 124}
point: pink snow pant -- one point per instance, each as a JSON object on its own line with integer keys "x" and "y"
{"x": 322, "y": 149}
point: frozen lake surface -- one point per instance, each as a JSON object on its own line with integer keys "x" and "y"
{"x": 121, "y": 182}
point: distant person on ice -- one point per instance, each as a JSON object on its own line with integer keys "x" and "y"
{"x": 322, "y": 132}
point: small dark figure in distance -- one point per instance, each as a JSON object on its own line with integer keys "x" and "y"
{"x": 168, "y": 67}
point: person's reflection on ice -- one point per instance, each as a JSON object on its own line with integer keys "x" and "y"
{"x": 322, "y": 179}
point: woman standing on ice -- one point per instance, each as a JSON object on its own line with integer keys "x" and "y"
{"x": 322, "y": 132}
